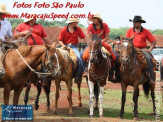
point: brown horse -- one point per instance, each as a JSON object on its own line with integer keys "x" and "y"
{"x": 17, "y": 70}
{"x": 98, "y": 69}
{"x": 132, "y": 73}
{"x": 64, "y": 69}
{"x": 161, "y": 69}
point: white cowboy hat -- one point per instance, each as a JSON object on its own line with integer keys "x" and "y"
{"x": 27, "y": 20}
{"x": 31, "y": 17}
{"x": 72, "y": 20}
{"x": 3, "y": 9}
{"x": 96, "y": 15}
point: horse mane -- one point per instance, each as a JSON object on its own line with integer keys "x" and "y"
{"x": 25, "y": 50}
{"x": 133, "y": 49}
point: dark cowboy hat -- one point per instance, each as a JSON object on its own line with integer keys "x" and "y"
{"x": 137, "y": 19}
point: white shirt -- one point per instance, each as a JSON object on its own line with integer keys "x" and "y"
{"x": 5, "y": 30}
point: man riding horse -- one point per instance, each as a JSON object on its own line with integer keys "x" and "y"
{"x": 141, "y": 34}
{"x": 69, "y": 37}
{"x": 102, "y": 30}
{"x": 5, "y": 34}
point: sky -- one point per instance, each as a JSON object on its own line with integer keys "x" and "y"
{"x": 116, "y": 13}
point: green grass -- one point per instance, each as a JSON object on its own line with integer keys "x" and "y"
{"x": 111, "y": 104}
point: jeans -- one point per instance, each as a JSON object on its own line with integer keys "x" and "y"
{"x": 150, "y": 65}
{"x": 80, "y": 63}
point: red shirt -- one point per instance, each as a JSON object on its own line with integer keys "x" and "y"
{"x": 38, "y": 33}
{"x": 72, "y": 38}
{"x": 141, "y": 37}
{"x": 105, "y": 30}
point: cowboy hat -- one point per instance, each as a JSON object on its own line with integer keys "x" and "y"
{"x": 27, "y": 20}
{"x": 96, "y": 15}
{"x": 137, "y": 19}
{"x": 3, "y": 9}
{"x": 72, "y": 20}
{"x": 32, "y": 16}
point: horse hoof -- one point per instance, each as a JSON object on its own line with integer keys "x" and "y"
{"x": 119, "y": 117}
{"x": 48, "y": 108}
{"x": 36, "y": 107}
{"x": 70, "y": 114}
{"x": 136, "y": 118}
{"x": 80, "y": 105}
{"x": 91, "y": 116}
{"x": 54, "y": 112}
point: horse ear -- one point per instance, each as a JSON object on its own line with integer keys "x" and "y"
{"x": 47, "y": 46}
{"x": 54, "y": 45}
{"x": 122, "y": 37}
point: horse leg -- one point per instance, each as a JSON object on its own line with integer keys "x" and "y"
{"x": 69, "y": 96}
{"x": 101, "y": 100}
{"x": 123, "y": 100}
{"x": 38, "y": 86}
{"x": 6, "y": 95}
{"x": 28, "y": 85}
{"x": 57, "y": 84}
{"x": 96, "y": 93}
{"x": 135, "y": 99}
{"x": 153, "y": 98}
{"x": 17, "y": 93}
{"x": 92, "y": 96}
{"x": 47, "y": 92}
{"x": 79, "y": 95}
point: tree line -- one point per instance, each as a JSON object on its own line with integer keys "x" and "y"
{"x": 114, "y": 32}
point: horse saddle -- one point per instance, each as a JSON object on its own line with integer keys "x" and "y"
{"x": 142, "y": 59}
{"x": 7, "y": 45}
{"x": 70, "y": 55}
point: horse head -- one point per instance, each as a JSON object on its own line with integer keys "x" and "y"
{"x": 127, "y": 50}
{"x": 94, "y": 48}
{"x": 52, "y": 60}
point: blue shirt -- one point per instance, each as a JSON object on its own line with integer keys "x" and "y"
{"x": 5, "y": 30}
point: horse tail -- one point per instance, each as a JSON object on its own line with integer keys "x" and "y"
{"x": 161, "y": 71}
{"x": 96, "y": 90}
{"x": 146, "y": 88}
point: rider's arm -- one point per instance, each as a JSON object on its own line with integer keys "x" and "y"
{"x": 152, "y": 45}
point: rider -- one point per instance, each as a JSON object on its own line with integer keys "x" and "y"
{"x": 37, "y": 33}
{"x": 117, "y": 44}
{"x": 5, "y": 33}
{"x": 141, "y": 35}
{"x": 102, "y": 29}
{"x": 69, "y": 37}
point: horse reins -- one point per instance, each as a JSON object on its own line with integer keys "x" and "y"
{"x": 32, "y": 70}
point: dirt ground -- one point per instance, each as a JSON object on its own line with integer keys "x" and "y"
{"x": 42, "y": 115}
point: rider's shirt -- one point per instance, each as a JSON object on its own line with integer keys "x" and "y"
{"x": 5, "y": 29}
{"x": 38, "y": 32}
{"x": 66, "y": 37}
{"x": 105, "y": 30}
{"x": 140, "y": 38}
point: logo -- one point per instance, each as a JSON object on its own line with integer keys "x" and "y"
{"x": 17, "y": 112}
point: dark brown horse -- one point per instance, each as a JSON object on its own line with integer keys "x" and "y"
{"x": 65, "y": 64}
{"x": 17, "y": 70}
{"x": 132, "y": 73}
{"x": 98, "y": 69}
{"x": 161, "y": 69}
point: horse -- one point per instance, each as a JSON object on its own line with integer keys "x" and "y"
{"x": 98, "y": 69}
{"x": 18, "y": 69}
{"x": 65, "y": 66}
{"x": 132, "y": 73}
{"x": 33, "y": 78}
